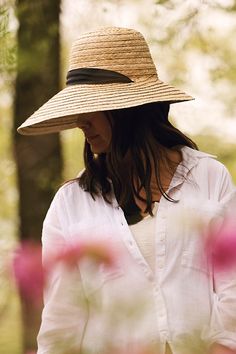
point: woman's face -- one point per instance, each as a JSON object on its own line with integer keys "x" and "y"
{"x": 97, "y": 131}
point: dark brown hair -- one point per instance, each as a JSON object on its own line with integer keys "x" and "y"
{"x": 143, "y": 132}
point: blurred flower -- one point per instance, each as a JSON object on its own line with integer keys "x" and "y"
{"x": 221, "y": 243}
{"x": 28, "y": 271}
{"x": 31, "y": 277}
{"x": 97, "y": 251}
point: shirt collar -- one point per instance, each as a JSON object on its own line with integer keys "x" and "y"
{"x": 190, "y": 158}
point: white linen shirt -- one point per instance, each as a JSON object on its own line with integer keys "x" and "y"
{"x": 188, "y": 304}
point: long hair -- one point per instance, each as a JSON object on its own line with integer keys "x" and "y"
{"x": 142, "y": 133}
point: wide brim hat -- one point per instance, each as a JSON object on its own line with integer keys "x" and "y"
{"x": 109, "y": 69}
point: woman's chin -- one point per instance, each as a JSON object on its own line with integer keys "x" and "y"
{"x": 97, "y": 149}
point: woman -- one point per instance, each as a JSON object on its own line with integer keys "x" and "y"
{"x": 143, "y": 184}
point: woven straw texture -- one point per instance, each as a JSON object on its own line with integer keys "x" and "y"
{"x": 118, "y": 49}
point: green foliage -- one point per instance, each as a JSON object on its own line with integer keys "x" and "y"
{"x": 10, "y": 326}
{"x": 180, "y": 29}
{"x": 225, "y": 152}
{"x": 7, "y": 38}
{"x": 73, "y": 143}
{"x": 221, "y": 52}
{"x": 8, "y": 188}
{"x": 227, "y": 6}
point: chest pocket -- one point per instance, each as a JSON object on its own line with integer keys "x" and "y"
{"x": 196, "y": 229}
{"x": 196, "y": 259}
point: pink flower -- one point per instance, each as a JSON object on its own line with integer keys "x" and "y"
{"x": 98, "y": 251}
{"x": 28, "y": 272}
{"x": 221, "y": 244}
{"x": 31, "y": 277}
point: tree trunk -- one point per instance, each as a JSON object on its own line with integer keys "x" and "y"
{"x": 38, "y": 159}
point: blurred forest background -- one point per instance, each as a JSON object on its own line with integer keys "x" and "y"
{"x": 193, "y": 43}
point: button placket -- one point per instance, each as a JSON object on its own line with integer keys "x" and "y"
{"x": 131, "y": 245}
{"x": 161, "y": 249}
{"x": 160, "y": 236}
{"x": 160, "y": 232}
{"x": 161, "y": 312}
{"x": 121, "y": 216}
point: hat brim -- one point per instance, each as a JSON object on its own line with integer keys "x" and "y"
{"x": 62, "y": 110}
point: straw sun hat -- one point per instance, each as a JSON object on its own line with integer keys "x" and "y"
{"x": 110, "y": 68}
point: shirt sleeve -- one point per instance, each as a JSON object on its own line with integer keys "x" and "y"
{"x": 222, "y": 327}
{"x": 65, "y": 313}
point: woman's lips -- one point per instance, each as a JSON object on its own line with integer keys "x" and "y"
{"x": 91, "y": 137}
